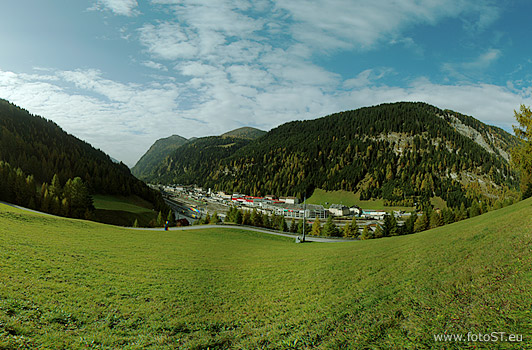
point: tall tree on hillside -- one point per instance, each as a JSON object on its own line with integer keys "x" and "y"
{"x": 78, "y": 198}
{"x": 55, "y": 187}
{"x": 522, "y": 155}
{"x": 422, "y": 223}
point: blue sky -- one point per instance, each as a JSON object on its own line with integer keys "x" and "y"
{"x": 121, "y": 74}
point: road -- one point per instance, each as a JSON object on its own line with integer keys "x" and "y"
{"x": 247, "y": 228}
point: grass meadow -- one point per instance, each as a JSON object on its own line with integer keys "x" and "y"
{"x": 72, "y": 284}
{"x": 122, "y": 211}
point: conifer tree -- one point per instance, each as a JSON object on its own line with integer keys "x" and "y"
{"x": 422, "y": 223}
{"x": 408, "y": 227}
{"x": 379, "y": 232}
{"x": 436, "y": 220}
{"x": 170, "y": 218}
{"x": 293, "y": 225}
{"x": 316, "y": 228}
{"x": 366, "y": 233}
{"x": 136, "y": 223}
{"x": 330, "y": 229}
{"x": 239, "y": 217}
{"x": 283, "y": 227}
{"x": 160, "y": 220}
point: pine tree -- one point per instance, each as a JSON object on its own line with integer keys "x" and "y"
{"x": 366, "y": 233}
{"x": 283, "y": 227}
{"x": 239, "y": 217}
{"x": 330, "y": 229}
{"x": 246, "y": 218}
{"x": 389, "y": 227}
{"x": 346, "y": 231}
{"x": 421, "y": 223}
{"x": 55, "y": 187}
{"x": 170, "y": 218}
{"x": 316, "y": 228}
{"x": 474, "y": 210}
{"x": 215, "y": 219}
{"x": 436, "y": 219}
{"x": 379, "y": 232}
{"x": 408, "y": 227}
{"x": 293, "y": 226}
{"x": 448, "y": 216}
{"x": 160, "y": 220}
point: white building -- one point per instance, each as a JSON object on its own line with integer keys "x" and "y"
{"x": 289, "y": 200}
{"x": 338, "y": 210}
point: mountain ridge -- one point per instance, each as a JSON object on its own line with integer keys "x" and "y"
{"x": 402, "y": 152}
{"x": 164, "y": 147}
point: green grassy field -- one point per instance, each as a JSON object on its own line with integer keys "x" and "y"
{"x": 133, "y": 204}
{"x": 71, "y": 284}
{"x": 122, "y": 211}
{"x": 326, "y": 198}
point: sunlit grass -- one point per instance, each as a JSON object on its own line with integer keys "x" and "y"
{"x": 75, "y": 284}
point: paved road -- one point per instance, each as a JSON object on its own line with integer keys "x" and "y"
{"x": 247, "y": 228}
{"x": 199, "y": 227}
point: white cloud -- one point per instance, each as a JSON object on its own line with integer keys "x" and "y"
{"x": 464, "y": 70}
{"x": 345, "y": 24}
{"x": 119, "y": 7}
{"x": 155, "y": 65}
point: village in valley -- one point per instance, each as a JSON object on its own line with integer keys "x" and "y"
{"x": 192, "y": 203}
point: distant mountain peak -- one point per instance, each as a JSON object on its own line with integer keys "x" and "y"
{"x": 245, "y": 132}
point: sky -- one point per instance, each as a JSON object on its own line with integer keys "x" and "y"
{"x": 121, "y": 74}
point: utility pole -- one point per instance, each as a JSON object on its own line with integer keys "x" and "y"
{"x": 304, "y": 217}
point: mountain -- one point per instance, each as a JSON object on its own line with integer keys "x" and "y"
{"x": 162, "y": 148}
{"x": 195, "y": 160}
{"x": 35, "y": 151}
{"x": 156, "y": 154}
{"x": 402, "y": 152}
{"x": 245, "y": 133}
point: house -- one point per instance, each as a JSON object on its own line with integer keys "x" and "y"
{"x": 338, "y": 210}
{"x": 354, "y": 210}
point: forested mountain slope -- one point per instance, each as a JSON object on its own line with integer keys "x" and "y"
{"x": 156, "y": 154}
{"x": 402, "y": 152}
{"x": 41, "y": 149}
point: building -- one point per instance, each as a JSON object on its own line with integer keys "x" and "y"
{"x": 289, "y": 200}
{"x": 339, "y": 210}
{"x": 373, "y": 214}
{"x": 354, "y": 210}
{"x": 298, "y": 212}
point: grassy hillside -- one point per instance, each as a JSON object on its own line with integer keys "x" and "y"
{"x": 73, "y": 284}
{"x": 123, "y": 210}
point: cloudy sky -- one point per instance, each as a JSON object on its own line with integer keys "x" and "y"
{"x": 122, "y": 73}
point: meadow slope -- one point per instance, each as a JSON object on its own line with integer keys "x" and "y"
{"x": 74, "y": 284}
